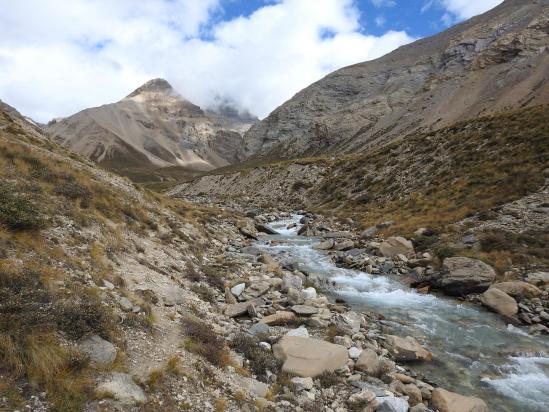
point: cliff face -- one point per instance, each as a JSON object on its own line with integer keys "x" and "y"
{"x": 153, "y": 127}
{"x": 494, "y": 62}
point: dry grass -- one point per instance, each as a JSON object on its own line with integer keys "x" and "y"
{"x": 44, "y": 302}
{"x": 503, "y": 249}
{"x": 434, "y": 179}
{"x": 202, "y": 340}
{"x": 220, "y": 405}
{"x": 430, "y": 180}
{"x": 328, "y": 379}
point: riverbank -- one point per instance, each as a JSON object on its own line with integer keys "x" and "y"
{"x": 475, "y": 351}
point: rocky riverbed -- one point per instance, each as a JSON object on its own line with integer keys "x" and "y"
{"x": 312, "y": 315}
{"x": 338, "y": 349}
{"x": 475, "y": 350}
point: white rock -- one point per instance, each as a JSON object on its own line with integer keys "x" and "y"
{"x": 302, "y": 384}
{"x": 354, "y": 352}
{"x": 238, "y": 289}
{"x": 108, "y": 284}
{"x": 301, "y": 331}
{"x": 309, "y": 293}
{"x": 125, "y": 304}
{"x": 122, "y": 387}
{"x": 100, "y": 351}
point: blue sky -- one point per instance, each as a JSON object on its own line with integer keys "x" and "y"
{"x": 419, "y": 18}
{"x": 59, "y": 57}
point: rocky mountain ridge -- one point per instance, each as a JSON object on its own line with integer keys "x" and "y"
{"x": 153, "y": 127}
{"x": 494, "y": 62}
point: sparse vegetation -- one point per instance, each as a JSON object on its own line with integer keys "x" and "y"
{"x": 19, "y": 211}
{"x": 30, "y": 316}
{"x": 202, "y": 340}
{"x": 261, "y": 361}
{"x": 48, "y": 300}
{"x": 205, "y": 292}
{"x": 328, "y": 379}
{"x": 432, "y": 179}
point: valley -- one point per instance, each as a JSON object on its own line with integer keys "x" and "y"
{"x": 379, "y": 242}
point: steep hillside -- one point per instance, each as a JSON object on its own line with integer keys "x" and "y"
{"x": 494, "y": 62}
{"x": 96, "y": 275}
{"x": 153, "y": 128}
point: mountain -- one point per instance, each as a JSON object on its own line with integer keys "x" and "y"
{"x": 494, "y": 62}
{"x": 154, "y": 127}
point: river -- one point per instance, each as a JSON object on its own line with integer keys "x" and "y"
{"x": 474, "y": 351}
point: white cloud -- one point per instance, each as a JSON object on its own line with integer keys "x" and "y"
{"x": 58, "y": 57}
{"x": 465, "y": 9}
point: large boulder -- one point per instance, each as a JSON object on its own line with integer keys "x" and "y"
{"x": 263, "y": 228}
{"x": 344, "y": 245}
{"x": 518, "y": 290}
{"x": 396, "y": 246}
{"x": 500, "y": 302}
{"x": 291, "y": 281}
{"x": 462, "y": 275}
{"x": 307, "y": 357}
{"x": 122, "y": 387}
{"x": 406, "y": 349}
{"x": 446, "y": 401}
{"x": 100, "y": 351}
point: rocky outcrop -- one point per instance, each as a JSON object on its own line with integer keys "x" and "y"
{"x": 446, "y": 401}
{"x": 307, "y": 357}
{"x": 490, "y": 63}
{"x": 462, "y": 275}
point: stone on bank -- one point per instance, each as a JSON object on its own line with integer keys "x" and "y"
{"x": 307, "y": 357}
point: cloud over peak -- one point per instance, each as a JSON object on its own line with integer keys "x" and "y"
{"x": 58, "y": 57}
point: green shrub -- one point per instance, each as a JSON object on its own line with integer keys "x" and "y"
{"x": 202, "y": 340}
{"x": 445, "y": 251}
{"x": 19, "y": 211}
{"x": 78, "y": 318}
{"x": 205, "y": 292}
{"x": 260, "y": 359}
{"x": 73, "y": 190}
{"x": 328, "y": 379}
